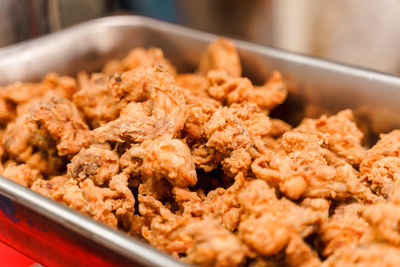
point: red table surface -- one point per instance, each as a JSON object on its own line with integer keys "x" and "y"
{"x": 11, "y": 257}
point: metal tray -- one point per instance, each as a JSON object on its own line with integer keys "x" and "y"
{"x": 57, "y": 236}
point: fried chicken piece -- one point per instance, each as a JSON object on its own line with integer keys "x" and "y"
{"x": 167, "y": 115}
{"x": 71, "y": 195}
{"x": 370, "y": 255}
{"x": 204, "y": 242}
{"x": 131, "y": 86}
{"x": 48, "y": 187}
{"x": 225, "y": 133}
{"x": 191, "y": 203}
{"x": 102, "y": 204}
{"x": 240, "y": 90}
{"x": 387, "y": 146}
{"x": 21, "y": 174}
{"x": 213, "y": 245}
{"x": 326, "y": 175}
{"x": 19, "y": 144}
{"x": 19, "y": 93}
{"x": 7, "y": 109}
{"x": 169, "y": 159}
{"x": 221, "y": 55}
{"x": 196, "y": 84}
{"x": 131, "y": 161}
{"x": 139, "y": 57}
{"x": 95, "y": 163}
{"x": 384, "y": 218}
{"x": 383, "y": 175}
{"x": 278, "y": 127}
{"x": 198, "y": 114}
{"x": 299, "y": 254}
{"x": 268, "y": 224}
{"x": 220, "y": 205}
{"x": 60, "y": 120}
{"x": 94, "y": 99}
{"x": 16, "y": 138}
{"x": 223, "y": 205}
{"x": 124, "y": 203}
{"x": 160, "y": 164}
{"x": 276, "y": 168}
{"x": 162, "y": 228}
{"x": 345, "y": 228}
{"x": 238, "y": 162}
{"x": 224, "y": 130}
{"x": 380, "y": 167}
{"x": 65, "y": 86}
{"x": 306, "y": 168}
{"x": 195, "y": 90}
{"x": 134, "y": 124}
{"x": 252, "y": 118}
{"x": 204, "y": 157}
{"x": 191, "y": 99}
{"x": 343, "y": 136}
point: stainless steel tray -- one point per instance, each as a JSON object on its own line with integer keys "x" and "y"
{"x": 57, "y": 236}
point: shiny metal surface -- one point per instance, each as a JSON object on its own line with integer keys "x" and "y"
{"x": 316, "y": 86}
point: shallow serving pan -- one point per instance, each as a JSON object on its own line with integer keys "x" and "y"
{"x": 57, "y": 236}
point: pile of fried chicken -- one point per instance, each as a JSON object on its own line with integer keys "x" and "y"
{"x": 193, "y": 164}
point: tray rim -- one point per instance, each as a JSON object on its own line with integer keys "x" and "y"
{"x": 136, "y": 20}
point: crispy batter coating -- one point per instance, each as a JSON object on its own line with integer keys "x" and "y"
{"x": 221, "y": 55}
{"x": 22, "y": 174}
{"x": 162, "y": 228}
{"x": 7, "y": 109}
{"x": 381, "y": 163}
{"x": 94, "y": 99}
{"x": 106, "y": 205}
{"x": 196, "y": 84}
{"x": 213, "y": 245}
{"x": 139, "y": 57}
{"x": 220, "y": 205}
{"x": 268, "y": 223}
{"x": 240, "y": 90}
{"x": 384, "y": 218}
{"x": 60, "y": 120}
{"x": 167, "y": 113}
{"x": 343, "y": 136}
{"x": 298, "y": 253}
{"x": 278, "y": 127}
{"x": 304, "y": 166}
{"x": 371, "y": 255}
{"x": 170, "y": 159}
{"x": 345, "y": 228}
{"x": 95, "y": 163}
{"x": 22, "y": 144}
{"x": 19, "y": 93}
{"x": 216, "y": 181}
{"x": 48, "y": 187}
{"x": 324, "y": 174}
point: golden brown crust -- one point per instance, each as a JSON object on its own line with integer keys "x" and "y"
{"x": 221, "y": 55}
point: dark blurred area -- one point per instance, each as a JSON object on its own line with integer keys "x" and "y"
{"x": 365, "y": 33}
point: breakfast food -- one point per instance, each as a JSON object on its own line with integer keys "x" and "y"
{"x": 193, "y": 164}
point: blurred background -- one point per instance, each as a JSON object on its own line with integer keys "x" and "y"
{"x": 364, "y": 33}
